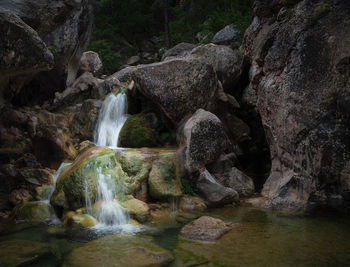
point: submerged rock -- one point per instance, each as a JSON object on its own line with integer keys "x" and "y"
{"x": 22, "y": 252}
{"x": 205, "y": 229}
{"x": 164, "y": 181}
{"x": 191, "y": 203}
{"x": 32, "y": 211}
{"x": 120, "y": 250}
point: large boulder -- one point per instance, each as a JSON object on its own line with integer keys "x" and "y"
{"x": 179, "y": 86}
{"x": 178, "y": 50}
{"x": 80, "y": 180}
{"x": 22, "y": 52}
{"x": 225, "y": 62}
{"x": 204, "y": 140}
{"x": 65, "y": 27}
{"x": 299, "y": 60}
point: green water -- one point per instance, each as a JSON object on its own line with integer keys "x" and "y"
{"x": 261, "y": 239}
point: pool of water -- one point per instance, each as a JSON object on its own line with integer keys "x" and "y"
{"x": 261, "y": 239}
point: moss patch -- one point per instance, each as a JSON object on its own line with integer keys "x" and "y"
{"x": 137, "y": 132}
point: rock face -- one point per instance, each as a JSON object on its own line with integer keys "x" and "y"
{"x": 22, "y": 51}
{"x": 65, "y": 27}
{"x": 299, "y": 56}
{"x": 205, "y": 229}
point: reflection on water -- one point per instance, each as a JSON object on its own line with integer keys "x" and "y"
{"x": 261, "y": 239}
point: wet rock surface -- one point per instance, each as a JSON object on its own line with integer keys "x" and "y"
{"x": 205, "y": 229}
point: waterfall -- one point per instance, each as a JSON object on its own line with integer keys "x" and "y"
{"x": 111, "y": 120}
{"x": 111, "y": 212}
{"x": 55, "y": 176}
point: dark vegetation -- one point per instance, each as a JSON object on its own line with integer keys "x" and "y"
{"x": 123, "y": 27}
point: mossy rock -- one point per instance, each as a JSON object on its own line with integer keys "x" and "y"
{"x": 164, "y": 181}
{"x": 136, "y": 165}
{"x": 82, "y": 176}
{"x": 137, "y": 132}
{"x": 32, "y": 211}
{"x": 22, "y": 252}
{"x": 138, "y": 209}
{"x": 120, "y": 250}
{"x": 76, "y": 220}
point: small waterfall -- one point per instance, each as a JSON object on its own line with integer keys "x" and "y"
{"x": 111, "y": 120}
{"x": 55, "y": 177}
{"x": 110, "y": 211}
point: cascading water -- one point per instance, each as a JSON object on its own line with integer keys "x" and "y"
{"x": 111, "y": 120}
{"x": 111, "y": 212}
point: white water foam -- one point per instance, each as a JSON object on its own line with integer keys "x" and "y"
{"x": 111, "y": 120}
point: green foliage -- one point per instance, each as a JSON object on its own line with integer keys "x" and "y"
{"x": 321, "y": 8}
{"x": 122, "y": 25}
{"x": 53, "y": 49}
{"x": 192, "y": 17}
{"x": 110, "y": 57}
{"x": 186, "y": 188}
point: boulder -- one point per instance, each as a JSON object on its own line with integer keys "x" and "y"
{"x": 84, "y": 122}
{"x": 178, "y": 86}
{"x": 52, "y": 145}
{"x": 83, "y": 175}
{"x": 76, "y": 220}
{"x": 225, "y": 62}
{"x": 164, "y": 181}
{"x": 36, "y": 176}
{"x": 120, "y": 250}
{"x": 19, "y": 196}
{"x": 138, "y": 209}
{"x": 240, "y": 182}
{"x": 205, "y": 229}
{"x": 226, "y": 36}
{"x": 213, "y": 192}
{"x": 204, "y": 140}
{"x": 82, "y": 88}
{"x": 191, "y": 203}
{"x": 178, "y": 50}
{"x": 32, "y": 211}
{"x": 299, "y": 77}
{"x": 65, "y": 27}
{"x": 23, "y": 53}
{"x": 91, "y": 62}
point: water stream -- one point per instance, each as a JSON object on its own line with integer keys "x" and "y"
{"x": 111, "y": 120}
